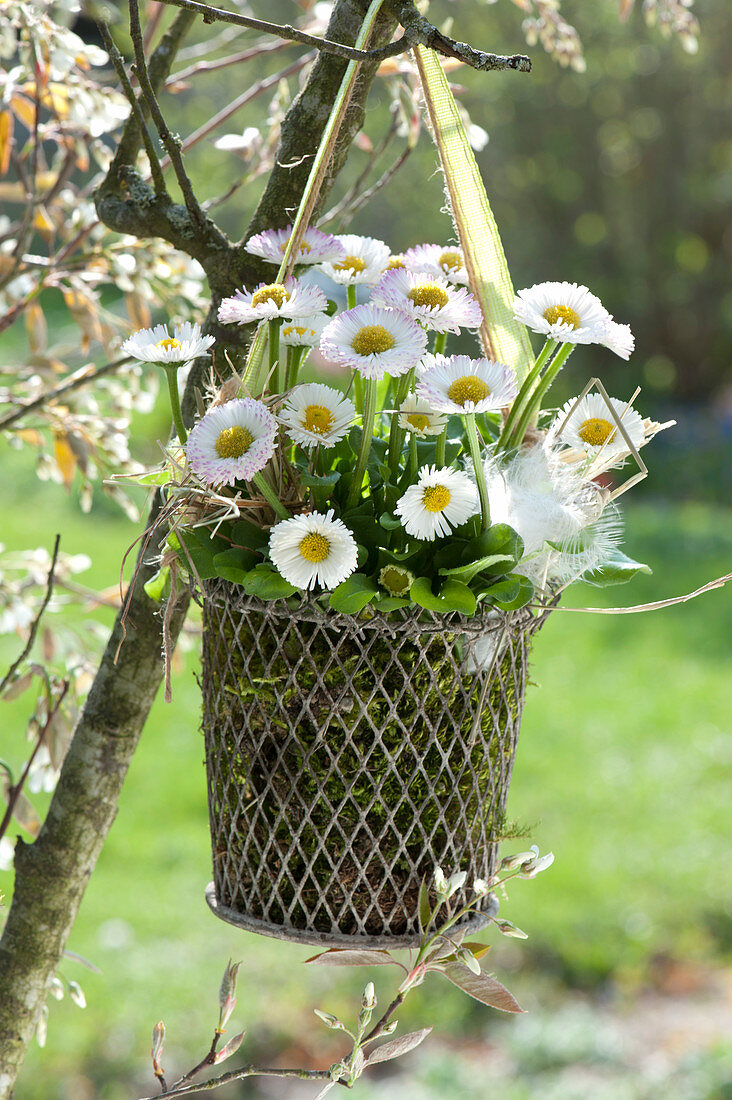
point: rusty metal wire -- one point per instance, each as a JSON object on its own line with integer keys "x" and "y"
{"x": 347, "y": 757}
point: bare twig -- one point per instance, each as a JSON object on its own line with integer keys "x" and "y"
{"x": 417, "y": 29}
{"x": 246, "y": 97}
{"x": 240, "y": 1074}
{"x": 37, "y": 621}
{"x": 264, "y": 46}
{"x": 171, "y": 144}
{"x": 15, "y": 790}
{"x": 292, "y": 34}
{"x": 81, "y": 377}
{"x": 152, "y": 155}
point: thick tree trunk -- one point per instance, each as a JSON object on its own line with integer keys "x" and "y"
{"x": 52, "y": 873}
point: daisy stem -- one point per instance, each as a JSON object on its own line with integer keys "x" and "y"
{"x": 270, "y": 496}
{"x": 358, "y": 392}
{"x": 171, "y": 373}
{"x": 527, "y": 386}
{"x": 274, "y": 354}
{"x": 472, "y": 433}
{"x": 440, "y": 448}
{"x": 413, "y": 456}
{"x": 295, "y": 356}
{"x": 351, "y": 296}
{"x": 369, "y": 415}
{"x": 440, "y": 343}
{"x": 396, "y": 433}
{"x": 534, "y": 404}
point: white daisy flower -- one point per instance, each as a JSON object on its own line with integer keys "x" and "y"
{"x": 431, "y": 299}
{"x": 417, "y": 416}
{"x": 364, "y": 261}
{"x": 618, "y": 338}
{"x": 437, "y": 259}
{"x": 156, "y": 345}
{"x": 316, "y": 414}
{"x": 562, "y": 311}
{"x": 313, "y": 549}
{"x": 374, "y": 341}
{"x": 232, "y": 442}
{"x": 304, "y": 332}
{"x": 315, "y": 247}
{"x": 441, "y": 499}
{"x": 458, "y": 384}
{"x": 591, "y": 427}
{"x": 291, "y": 299}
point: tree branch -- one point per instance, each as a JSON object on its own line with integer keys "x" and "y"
{"x": 418, "y": 31}
{"x": 136, "y": 108}
{"x": 79, "y": 378}
{"x": 37, "y": 621}
{"x": 172, "y": 146}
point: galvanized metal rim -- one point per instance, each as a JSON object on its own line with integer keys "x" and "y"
{"x": 336, "y": 939}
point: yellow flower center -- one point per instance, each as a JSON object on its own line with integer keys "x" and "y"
{"x": 562, "y": 313}
{"x": 418, "y": 421}
{"x": 304, "y": 247}
{"x": 426, "y": 295}
{"x": 468, "y": 388}
{"x": 372, "y": 340}
{"x": 319, "y": 419}
{"x": 450, "y": 261}
{"x": 596, "y": 431}
{"x": 276, "y": 293}
{"x": 168, "y": 344}
{"x": 396, "y": 580}
{"x": 395, "y": 262}
{"x": 354, "y": 264}
{"x": 234, "y": 442}
{"x": 299, "y": 329}
{"x": 436, "y": 498}
{"x": 315, "y": 547}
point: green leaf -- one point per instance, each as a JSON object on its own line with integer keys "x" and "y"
{"x": 510, "y": 593}
{"x": 245, "y": 533}
{"x": 389, "y": 522}
{"x": 198, "y": 554}
{"x": 498, "y": 539}
{"x": 155, "y": 588}
{"x": 483, "y": 988}
{"x": 391, "y": 603}
{"x": 454, "y": 596}
{"x": 266, "y": 583}
{"x": 353, "y": 594}
{"x": 467, "y": 572}
{"x": 234, "y": 564}
{"x": 617, "y": 569}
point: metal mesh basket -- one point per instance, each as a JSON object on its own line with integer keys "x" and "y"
{"x": 348, "y": 757}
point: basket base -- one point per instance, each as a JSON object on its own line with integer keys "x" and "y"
{"x": 335, "y": 939}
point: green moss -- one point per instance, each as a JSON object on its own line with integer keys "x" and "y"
{"x": 384, "y": 756}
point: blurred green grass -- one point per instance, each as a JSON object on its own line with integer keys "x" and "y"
{"x": 623, "y": 770}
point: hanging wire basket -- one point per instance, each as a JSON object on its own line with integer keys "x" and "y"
{"x": 347, "y": 757}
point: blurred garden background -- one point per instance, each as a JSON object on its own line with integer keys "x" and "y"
{"x": 619, "y": 177}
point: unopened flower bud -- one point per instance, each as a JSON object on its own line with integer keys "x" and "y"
{"x": 369, "y": 996}
{"x": 328, "y": 1018}
{"x": 480, "y": 887}
{"x": 510, "y": 863}
{"x": 440, "y": 882}
{"x": 509, "y": 929}
{"x": 532, "y": 868}
{"x": 227, "y": 991}
{"x": 158, "y": 1038}
{"x": 468, "y": 959}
